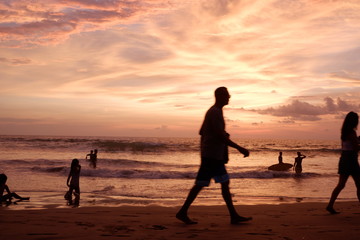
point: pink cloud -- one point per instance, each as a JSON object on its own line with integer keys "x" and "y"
{"x": 15, "y": 61}
{"x": 104, "y": 4}
{"x": 27, "y": 24}
{"x": 299, "y": 110}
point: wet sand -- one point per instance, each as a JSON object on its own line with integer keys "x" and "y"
{"x": 284, "y": 221}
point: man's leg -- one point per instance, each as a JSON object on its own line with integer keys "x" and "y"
{"x": 182, "y": 214}
{"x": 235, "y": 217}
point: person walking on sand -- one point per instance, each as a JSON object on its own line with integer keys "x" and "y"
{"x": 348, "y": 163}
{"x": 298, "y": 163}
{"x": 73, "y": 182}
{"x": 214, "y": 144}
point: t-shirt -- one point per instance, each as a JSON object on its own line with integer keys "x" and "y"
{"x": 212, "y": 145}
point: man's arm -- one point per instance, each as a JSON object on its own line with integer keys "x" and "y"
{"x": 218, "y": 128}
{"x": 242, "y": 150}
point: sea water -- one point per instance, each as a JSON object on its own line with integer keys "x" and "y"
{"x": 161, "y": 171}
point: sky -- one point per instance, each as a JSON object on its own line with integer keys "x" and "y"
{"x": 149, "y": 68}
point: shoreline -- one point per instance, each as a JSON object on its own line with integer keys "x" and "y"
{"x": 281, "y": 221}
{"x": 46, "y": 200}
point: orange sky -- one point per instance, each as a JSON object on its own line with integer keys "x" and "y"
{"x": 149, "y": 67}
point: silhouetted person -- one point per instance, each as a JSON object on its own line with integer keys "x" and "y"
{"x": 298, "y": 162}
{"x": 92, "y": 158}
{"x": 214, "y": 155}
{"x": 3, "y": 187}
{"x": 348, "y": 163}
{"x": 73, "y": 182}
{"x": 281, "y": 166}
{"x": 90, "y": 155}
{"x": 280, "y": 158}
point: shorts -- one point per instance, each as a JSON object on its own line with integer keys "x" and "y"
{"x": 211, "y": 168}
{"x": 348, "y": 164}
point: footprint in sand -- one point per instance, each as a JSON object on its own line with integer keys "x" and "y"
{"x": 42, "y": 234}
{"x": 85, "y": 224}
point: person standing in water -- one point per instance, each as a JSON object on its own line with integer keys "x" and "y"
{"x": 214, "y": 155}
{"x": 348, "y": 163}
{"x": 298, "y": 163}
{"x": 73, "y": 182}
{"x": 92, "y": 158}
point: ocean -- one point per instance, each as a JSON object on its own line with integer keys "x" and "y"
{"x": 161, "y": 171}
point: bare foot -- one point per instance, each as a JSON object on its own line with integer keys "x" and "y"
{"x": 240, "y": 219}
{"x": 331, "y": 210}
{"x": 185, "y": 219}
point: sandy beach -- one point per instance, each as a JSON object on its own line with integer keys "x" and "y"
{"x": 284, "y": 221}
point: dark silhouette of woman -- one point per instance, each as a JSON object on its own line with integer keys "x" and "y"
{"x": 348, "y": 163}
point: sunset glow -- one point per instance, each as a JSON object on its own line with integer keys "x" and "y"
{"x": 149, "y": 67}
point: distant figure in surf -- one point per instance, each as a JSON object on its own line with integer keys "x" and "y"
{"x": 214, "y": 155}
{"x": 7, "y": 197}
{"x": 92, "y": 158}
{"x": 281, "y": 166}
{"x": 348, "y": 163}
{"x": 298, "y": 163}
{"x": 280, "y": 158}
{"x": 73, "y": 182}
{"x": 89, "y": 154}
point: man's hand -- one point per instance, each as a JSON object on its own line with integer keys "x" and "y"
{"x": 244, "y": 151}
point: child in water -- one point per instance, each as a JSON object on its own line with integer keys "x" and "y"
{"x": 73, "y": 182}
{"x": 7, "y": 197}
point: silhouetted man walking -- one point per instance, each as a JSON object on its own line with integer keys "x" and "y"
{"x": 214, "y": 155}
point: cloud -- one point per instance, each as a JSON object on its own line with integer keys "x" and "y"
{"x": 257, "y": 123}
{"x": 15, "y": 61}
{"x": 28, "y": 24}
{"x": 300, "y": 110}
{"x": 145, "y": 51}
{"x": 286, "y": 121}
{"x": 103, "y": 4}
{"x": 345, "y": 76}
{"x": 162, "y": 128}
{"x": 21, "y": 120}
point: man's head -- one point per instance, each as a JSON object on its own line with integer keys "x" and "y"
{"x": 222, "y": 96}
